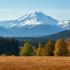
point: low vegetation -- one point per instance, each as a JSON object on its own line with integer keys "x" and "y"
{"x": 34, "y": 63}
{"x": 50, "y": 48}
{"x": 10, "y": 46}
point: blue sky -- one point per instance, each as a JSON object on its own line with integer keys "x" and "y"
{"x": 12, "y": 9}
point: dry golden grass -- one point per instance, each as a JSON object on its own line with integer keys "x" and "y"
{"x": 34, "y": 63}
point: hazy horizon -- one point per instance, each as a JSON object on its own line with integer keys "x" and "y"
{"x": 12, "y": 9}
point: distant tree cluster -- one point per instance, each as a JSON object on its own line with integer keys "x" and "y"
{"x": 9, "y": 46}
{"x": 50, "y": 48}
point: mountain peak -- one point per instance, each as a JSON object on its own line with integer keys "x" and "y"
{"x": 37, "y": 18}
{"x": 35, "y": 13}
{"x": 31, "y": 25}
{"x": 30, "y": 15}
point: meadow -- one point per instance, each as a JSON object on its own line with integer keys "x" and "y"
{"x": 34, "y": 63}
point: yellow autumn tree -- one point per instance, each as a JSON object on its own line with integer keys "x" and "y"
{"x": 61, "y": 48}
{"x": 27, "y": 49}
{"x": 49, "y": 46}
{"x": 41, "y": 50}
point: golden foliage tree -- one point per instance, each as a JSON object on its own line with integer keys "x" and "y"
{"x": 49, "y": 47}
{"x": 61, "y": 48}
{"x": 41, "y": 50}
{"x": 68, "y": 43}
{"x": 27, "y": 49}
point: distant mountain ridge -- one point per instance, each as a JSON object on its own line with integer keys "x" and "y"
{"x": 54, "y": 37}
{"x": 63, "y": 34}
{"x": 34, "y": 24}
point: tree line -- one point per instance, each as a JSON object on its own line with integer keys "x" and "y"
{"x": 10, "y": 46}
{"x": 61, "y": 47}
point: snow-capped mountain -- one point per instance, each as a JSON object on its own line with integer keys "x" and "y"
{"x": 36, "y": 18}
{"x": 66, "y": 24}
{"x": 32, "y": 25}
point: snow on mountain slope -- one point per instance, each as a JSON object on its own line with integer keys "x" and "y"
{"x": 36, "y": 31}
{"x": 31, "y": 25}
{"x": 36, "y": 18}
{"x": 8, "y": 23}
{"x": 66, "y": 24}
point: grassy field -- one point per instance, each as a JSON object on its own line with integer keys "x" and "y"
{"x": 34, "y": 63}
